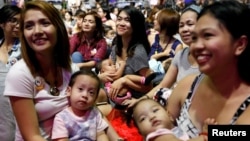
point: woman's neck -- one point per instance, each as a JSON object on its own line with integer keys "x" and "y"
{"x": 164, "y": 38}
{"x": 88, "y": 35}
{"x": 125, "y": 41}
{"x": 8, "y": 43}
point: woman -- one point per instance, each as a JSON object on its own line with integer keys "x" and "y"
{"x": 10, "y": 52}
{"x": 165, "y": 46}
{"x": 132, "y": 47}
{"x": 88, "y": 47}
{"x": 104, "y": 13}
{"x": 183, "y": 63}
{"x": 36, "y": 84}
{"x": 220, "y": 46}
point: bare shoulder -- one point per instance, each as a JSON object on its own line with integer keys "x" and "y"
{"x": 184, "y": 85}
{"x": 179, "y": 95}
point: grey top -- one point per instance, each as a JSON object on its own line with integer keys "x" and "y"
{"x": 7, "y": 120}
{"x": 134, "y": 64}
{"x": 181, "y": 62}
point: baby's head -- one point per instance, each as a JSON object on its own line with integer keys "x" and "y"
{"x": 109, "y": 32}
{"x": 83, "y": 90}
{"x": 148, "y": 115}
{"x": 106, "y": 65}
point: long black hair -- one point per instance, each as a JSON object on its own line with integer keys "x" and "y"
{"x": 139, "y": 36}
{"x": 6, "y": 13}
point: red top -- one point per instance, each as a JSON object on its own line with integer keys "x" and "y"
{"x": 97, "y": 47}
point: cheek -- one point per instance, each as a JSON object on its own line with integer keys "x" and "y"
{"x": 27, "y": 35}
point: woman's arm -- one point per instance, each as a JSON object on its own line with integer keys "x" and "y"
{"x": 159, "y": 55}
{"x": 88, "y": 65}
{"x": 26, "y": 117}
{"x": 179, "y": 48}
{"x": 167, "y": 82}
{"x": 101, "y": 136}
{"x": 73, "y": 43}
{"x": 111, "y": 133}
{"x": 178, "y": 96}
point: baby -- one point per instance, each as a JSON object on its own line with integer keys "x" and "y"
{"x": 155, "y": 123}
{"x": 81, "y": 120}
{"x": 107, "y": 66}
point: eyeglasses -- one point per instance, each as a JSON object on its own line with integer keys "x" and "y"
{"x": 14, "y": 20}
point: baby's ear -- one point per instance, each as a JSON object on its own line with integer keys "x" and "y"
{"x": 68, "y": 91}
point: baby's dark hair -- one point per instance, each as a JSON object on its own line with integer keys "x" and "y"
{"x": 107, "y": 28}
{"x": 88, "y": 73}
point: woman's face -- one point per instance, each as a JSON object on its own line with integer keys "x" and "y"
{"x": 11, "y": 27}
{"x": 89, "y": 24}
{"x": 40, "y": 33}
{"x": 68, "y": 16}
{"x": 100, "y": 12}
{"x": 116, "y": 11}
{"x": 79, "y": 21}
{"x": 123, "y": 25}
{"x": 186, "y": 26}
{"x": 213, "y": 46}
{"x": 156, "y": 22}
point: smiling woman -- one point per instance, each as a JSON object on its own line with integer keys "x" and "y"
{"x": 46, "y": 64}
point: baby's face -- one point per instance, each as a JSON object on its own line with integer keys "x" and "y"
{"x": 150, "y": 116}
{"x": 110, "y": 34}
{"x": 108, "y": 66}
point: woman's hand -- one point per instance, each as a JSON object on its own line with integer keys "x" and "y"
{"x": 130, "y": 102}
{"x": 115, "y": 88}
{"x": 106, "y": 77}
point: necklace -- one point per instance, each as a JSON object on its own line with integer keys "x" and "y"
{"x": 53, "y": 88}
{"x": 54, "y": 91}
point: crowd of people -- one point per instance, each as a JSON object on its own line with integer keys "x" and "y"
{"x": 126, "y": 74}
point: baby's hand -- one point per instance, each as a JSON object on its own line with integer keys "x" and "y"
{"x": 208, "y": 121}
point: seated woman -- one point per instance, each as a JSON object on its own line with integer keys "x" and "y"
{"x": 89, "y": 46}
{"x": 132, "y": 47}
{"x": 165, "y": 46}
{"x": 183, "y": 63}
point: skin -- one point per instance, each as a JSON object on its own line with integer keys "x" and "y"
{"x": 41, "y": 36}
{"x": 110, "y": 34}
{"x": 88, "y": 24}
{"x": 186, "y": 26}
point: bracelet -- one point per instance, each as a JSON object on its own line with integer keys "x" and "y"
{"x": 203, "y": 133}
